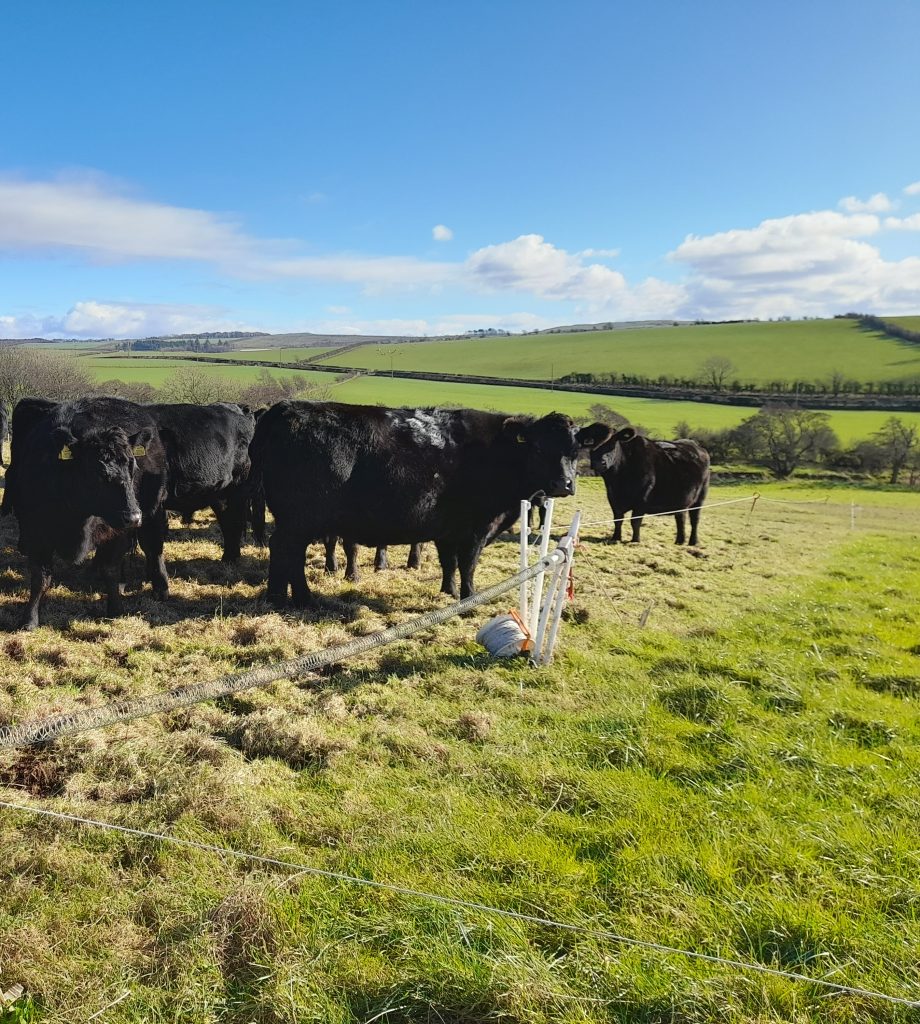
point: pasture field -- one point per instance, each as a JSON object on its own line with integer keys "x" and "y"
{"x": 740, "y": 776}
{"x": 762, "y": 352}
{"x": 278, "y": 355}
{"x": 658, "y": 416}
{"x": 155, "y": 370}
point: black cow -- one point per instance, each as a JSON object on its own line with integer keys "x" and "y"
{"x": 90, "y": 475}
{"x": 4, "y": 429}
{"x": 400, "y": 476}
{"x": 207, "y": 452}
{"x": 643, "y": 476}
{"x": 26, "y": 413}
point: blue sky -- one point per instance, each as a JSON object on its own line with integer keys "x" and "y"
{"x": 410, "y": 167}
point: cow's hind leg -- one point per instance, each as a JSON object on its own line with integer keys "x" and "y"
{"x": 331, "y": 565}
{"x": 287, "y": 555}
{"x": 635, "y": 521}
{"x": 447, "y": 553}
{"x": 694, "y": 525}
{"x": 231, "y": 518}
{"x": 41, "y": 583}
{"x": 681, "y": 520}
{"x": 381, "y": 561}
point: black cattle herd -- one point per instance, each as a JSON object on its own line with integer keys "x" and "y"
{"x": 98, "y": 475}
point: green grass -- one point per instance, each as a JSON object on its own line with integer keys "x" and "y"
{"x": 762, "y": 352}
{"x": 740, "y": 777}
{"x": 658, "y": 416}
{"x": 155, "y": 370}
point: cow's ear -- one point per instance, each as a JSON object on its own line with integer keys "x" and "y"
{"x": 514, "y": 429}
{"x": 139, "y": 442}
{"x": 625, "y": 435}
{"x": 64, "y": 442}
{"x": 592, "y": 435}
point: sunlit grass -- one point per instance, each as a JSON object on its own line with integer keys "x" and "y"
{"x": 739, "y": 776}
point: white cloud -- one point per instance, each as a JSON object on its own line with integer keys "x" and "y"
{"x": 911, "y": 223}
{"x": 913, "y": 189}
{"x": 108, "y": 225}
{"x": 531, "y": 264}
{"x": 812, "y": 264}
{"x": 93, "y": 319}
{"x": 441, "y": 233}
{"x": 879, "y": 203}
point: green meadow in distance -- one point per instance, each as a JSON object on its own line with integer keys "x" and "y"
{"x": 808, "y": 350}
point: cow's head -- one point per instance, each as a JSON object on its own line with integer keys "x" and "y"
{"x": 607, "y": 445}
{"x": 99, "y": 469}
{"x": 547, "y": 452}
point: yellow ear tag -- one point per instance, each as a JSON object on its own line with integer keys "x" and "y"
{"x": 521, "y": 439}
{"x": 65, "y": 453}
{"x": 138, "y": 450}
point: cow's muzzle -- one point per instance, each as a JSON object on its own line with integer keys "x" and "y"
{"x": 564, "y": 488}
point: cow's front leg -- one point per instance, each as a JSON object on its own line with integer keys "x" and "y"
{"x": 415, "y": 556}
{"x": 381, "y": 561}
{"x": 681, "y": 519}
{"x": 41, "y": 583}
{"x": 619, "y": 514}
{"x": 447, "y": 554}
{"x": 152, "y": 536}
{"x": 468, "y": 552}
{"x": 351, "y": 560}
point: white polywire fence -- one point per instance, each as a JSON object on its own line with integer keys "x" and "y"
{"x": 831, "y": 987}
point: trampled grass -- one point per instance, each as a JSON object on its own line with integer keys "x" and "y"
{"x": 762, "y": 352}
{"x": 739, "y": 776}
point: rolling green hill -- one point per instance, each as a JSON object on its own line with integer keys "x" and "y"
{"x": 761, "y": 352}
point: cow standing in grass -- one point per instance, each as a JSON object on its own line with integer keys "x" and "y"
{"x": 400, "y": 476}
{"x": 207, "y": 452}
{"x": 90, "y": 476}
{"x": 647, "y": 477}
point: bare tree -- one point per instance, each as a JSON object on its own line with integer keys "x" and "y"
{"x": 189, "y": 384}
{"x": 897, "y": 441}
{"x": 269, "y": 389}
{"x": 716, "y": 370}
{"x": 25, "y": 370}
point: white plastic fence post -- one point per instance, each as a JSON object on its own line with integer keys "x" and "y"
{"x": 537, "y": 594}
{"x": 567, "y": 543}
{"x": 539, "y": 633}
{"x": 525, "y": 555}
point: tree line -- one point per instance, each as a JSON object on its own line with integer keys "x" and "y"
{"x": 783, "y": 439}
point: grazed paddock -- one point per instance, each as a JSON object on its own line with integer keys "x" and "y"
{"x": 739, "y": 776}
